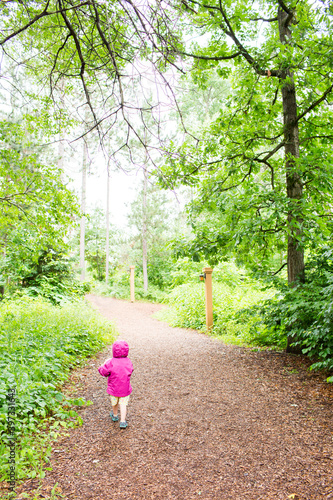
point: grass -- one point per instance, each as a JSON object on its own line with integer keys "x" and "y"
{"x": 39, "y": 345}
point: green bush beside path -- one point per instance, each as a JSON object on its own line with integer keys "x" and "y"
{"x": 39, "y": 344}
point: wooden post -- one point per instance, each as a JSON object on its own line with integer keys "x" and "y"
{"x": 209, "y": 296}
{"x": 132, "y": 283}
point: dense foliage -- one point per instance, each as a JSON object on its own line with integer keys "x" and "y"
{"x": 49, "y": 274}
{"x": 305, "y": 312}
{"x": 252, "y": 312}
{"x": 39, "y": 344}
{"x": 36, "y": 204}
{"x": 37, "y": 211}
{"x": 151, "y": 210}
{"x": 263, "y": 166}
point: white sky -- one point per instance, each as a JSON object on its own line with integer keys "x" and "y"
{"x": 123, "y": 189}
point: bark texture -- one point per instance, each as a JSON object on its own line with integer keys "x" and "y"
{"x": 293, "y": 179}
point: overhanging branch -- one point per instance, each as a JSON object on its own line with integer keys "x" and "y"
{"x": 280, "y": 269}
{"x": 211, "y": 58}
{"x": 44, "y": 13}
{"x": 315, "y": 104}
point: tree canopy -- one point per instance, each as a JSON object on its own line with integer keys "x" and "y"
{"x": 256, "y": 120}
{"x": 36, "y": 207}
{"x": 264, "y": 165}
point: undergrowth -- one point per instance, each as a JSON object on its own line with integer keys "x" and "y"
{"x": 39, "y": 345}
{"x": 247, "y": 312}
{"x": 122, "y": 291}
{"x": 305, "y": 313}
{"x": 234, "y": 294}
{"x": 187, "y": 309}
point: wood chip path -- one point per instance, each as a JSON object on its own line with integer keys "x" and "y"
{"x": 206, "y": 421}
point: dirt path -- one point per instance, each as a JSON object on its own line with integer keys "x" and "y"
{"x": 206, "y": 421}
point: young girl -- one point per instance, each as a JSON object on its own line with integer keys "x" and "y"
{"x": 119, "y": 370}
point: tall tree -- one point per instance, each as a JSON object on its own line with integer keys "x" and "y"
{"x": 61, "y": 145}
{"x": 144, "y": 229}
{"x": 107, "y": 218}
{"x": 150, "y": 219}
{"x": 96, "y": 243}
{"x": 83, "y": 210}
{"x": 36, "y": 207}
{"x": 277, "y": 56}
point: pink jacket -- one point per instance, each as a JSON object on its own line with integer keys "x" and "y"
{"x": 119, "y": 370}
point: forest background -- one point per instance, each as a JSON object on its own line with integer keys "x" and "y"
{"x": 222, "y": 114}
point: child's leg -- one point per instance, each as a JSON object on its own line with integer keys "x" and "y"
{"x": 115, "y": 405}
{"x": 115, "y": 409}
{"x": 123, "y": 411}
{"x": 123, "y": 402}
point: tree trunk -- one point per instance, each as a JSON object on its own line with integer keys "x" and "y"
{"x": 144, "y": 231}
{"x": 107, "y": 225}
{"x": 293, "y": 178}
{"x": 83, "y": 210}
{"x": 294, "y": 185}
{"x": 61, "y": 146}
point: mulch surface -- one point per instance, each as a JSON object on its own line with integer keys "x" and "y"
{"x": 206, "y": 420}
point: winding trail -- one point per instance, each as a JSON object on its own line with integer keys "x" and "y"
{"x": 206, "y": 421}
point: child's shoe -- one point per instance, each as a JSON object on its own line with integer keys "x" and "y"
{"x": 123, "y": 425}
{"x": 113, "y": 418}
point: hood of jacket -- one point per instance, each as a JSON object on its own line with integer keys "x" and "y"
{"x": 120, "y": 349}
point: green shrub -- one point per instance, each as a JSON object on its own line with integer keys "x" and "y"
{"x": 119, "y": 288}
{"x": 50, "y": 275}
{"x": 304, "y": 312}
{"x": 39, "y": 344}
{"x": 185, "y": 271}
{"x": 187, "y": 308}
{"x": 153, "y": 294}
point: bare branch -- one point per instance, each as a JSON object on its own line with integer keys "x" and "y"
{"x": 280, "y": 269}
{"x": 284, "y": 7}
{"x": 83, "y": 63}
{"x": 44, "y": 13}
{"x": 111, "y": 52}
{"x": 211, "y": 58}
{"x": 271, "y": 20}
